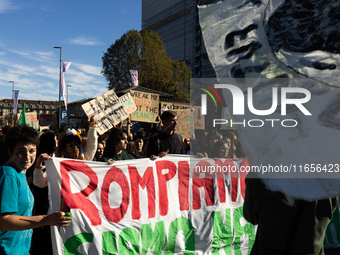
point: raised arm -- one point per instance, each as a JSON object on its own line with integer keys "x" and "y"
{"x": 40, "y": 177}
{"x": 92, "y": 140}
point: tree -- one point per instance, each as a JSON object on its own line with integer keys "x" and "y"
{"x": 148, "y": 55}
{"x": 120, "y": 58}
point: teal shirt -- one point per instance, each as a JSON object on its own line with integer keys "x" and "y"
{"x": 15, "y": 197}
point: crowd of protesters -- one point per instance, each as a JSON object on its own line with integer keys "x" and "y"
{"x": 25, "y": 220}
{"x": 24, "y": 216}
{"x": 24, "y": 152}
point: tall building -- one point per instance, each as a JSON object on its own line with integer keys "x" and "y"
{"x": 177, "y": 22}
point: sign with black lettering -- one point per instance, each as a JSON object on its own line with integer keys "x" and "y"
{"x": 147, "y": 106}
{"x": 108, "y": 109}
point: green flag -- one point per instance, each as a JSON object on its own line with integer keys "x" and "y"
{"x": 22, "y": 118}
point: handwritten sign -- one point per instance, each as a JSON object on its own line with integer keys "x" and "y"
{"x": 174, "y": 106}
{"x": 128, "y": 103}
{"x": 108, "y": 109}
{"x": 32, "y": 119}
{"x": 184, "y": 123}
{"x": 199, "y": 122}
{"x": 147, "y": 106}
{"x": 47, "y": 119}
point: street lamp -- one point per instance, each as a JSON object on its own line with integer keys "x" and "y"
{"x": 12, "y": 99}
{"x": 67, "y": 93}
{"x": 56, "y": 47}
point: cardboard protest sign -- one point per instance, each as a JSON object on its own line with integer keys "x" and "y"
{"x": 184, "y": 123}
{"x": 108, "y": 109}
{"x": 32, "y": 120}
{"x": 47, "y": 119}
{"x": 174, "y": 106}
{"x": 282, "y": 93}
{"x": 174, "y": 205}
{"x": 199, "y": 120}
{"x": 167, "y": 106}
{"x": 147, "y": 106}
{"x": 128, "y": 103}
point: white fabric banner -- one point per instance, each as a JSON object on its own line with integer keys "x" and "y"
{"x": 170, "y": 205}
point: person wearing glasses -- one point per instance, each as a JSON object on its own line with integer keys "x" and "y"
{"x": 16, "y": 199}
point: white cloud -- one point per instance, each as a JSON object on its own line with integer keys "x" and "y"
{"x": 38, "y": 96}
{"x": 95, "y": 70}
{"x": 82, "y": 40}
{"x": 20, "y": 52}
{"x": 24, "y": 68}
{"x": 37, "y": 80}
{"x": 6, "y": 5}
{"x": 38, "y": 56}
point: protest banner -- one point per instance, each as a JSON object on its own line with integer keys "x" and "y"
{"x": 108, "y": 109}
{"x": 177, "y": 205}
{"x": 147, "y": 106}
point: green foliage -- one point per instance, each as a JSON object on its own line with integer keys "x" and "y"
{"x": 120, "y": 58}
{"x": 146, "y": 52}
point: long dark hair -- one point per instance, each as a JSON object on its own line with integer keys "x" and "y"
{"x": 47, "y": 143}
{"x": 115, "y": 137}
{"x": 216, "y": 148}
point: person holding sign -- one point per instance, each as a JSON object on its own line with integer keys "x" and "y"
{"x": 69, "y": 147}
{"x": 70, "y": 143}
{"x": 16, "y": 199}
{"x": 167, "y": 141}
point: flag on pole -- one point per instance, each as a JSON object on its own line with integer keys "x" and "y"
{"x": 16, "y": 96}
{"x": 66, "y": 65}
{"x": 134, "y": 77}
{"x": 22, "y": 119}
{"x": 62, "y": 84}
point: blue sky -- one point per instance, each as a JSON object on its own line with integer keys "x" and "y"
{"x": 84, "y": 29}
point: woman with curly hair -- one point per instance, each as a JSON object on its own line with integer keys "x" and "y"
{"x": 16, "y": 199}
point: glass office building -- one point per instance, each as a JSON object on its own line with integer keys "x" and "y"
{"x": 177, "y": 22}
